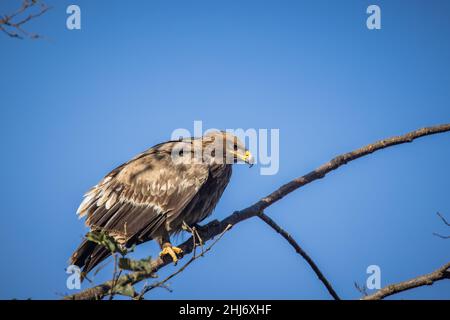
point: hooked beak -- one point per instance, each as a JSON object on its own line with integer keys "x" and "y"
{"x": 248, "y": 158}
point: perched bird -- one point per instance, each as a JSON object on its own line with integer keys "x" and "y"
{"x": 151, "y": 196}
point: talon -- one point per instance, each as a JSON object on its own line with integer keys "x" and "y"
{"x": 172, "y": 251}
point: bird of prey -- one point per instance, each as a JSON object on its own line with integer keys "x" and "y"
{"x": 151, "y": 196}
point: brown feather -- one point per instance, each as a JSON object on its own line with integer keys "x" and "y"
{"x": 149, "y": 196}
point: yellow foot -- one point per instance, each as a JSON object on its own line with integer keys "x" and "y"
{"x": 172, "y": 251}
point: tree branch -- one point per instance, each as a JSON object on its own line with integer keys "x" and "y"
{"x": 443, "y": 219}
{"x": 441, "y": 236}
{"x": 12, "y": 24}
{"x": 301, "y": 252}
{"x": 215, "y": 227}
{"x": 446, "y": 223}
{"x": 425, "y": 280}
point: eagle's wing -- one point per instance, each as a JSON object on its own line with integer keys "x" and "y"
{"x": 141, "y": 195}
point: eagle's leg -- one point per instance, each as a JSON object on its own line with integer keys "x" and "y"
{"x": 168, "y": 249}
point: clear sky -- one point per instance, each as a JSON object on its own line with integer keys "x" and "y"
{"x": 75, "y": 105}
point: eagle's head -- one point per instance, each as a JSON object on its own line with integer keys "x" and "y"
{"x": 224, "y": 147}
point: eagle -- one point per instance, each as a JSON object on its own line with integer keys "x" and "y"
{"x": 154, "y": 194}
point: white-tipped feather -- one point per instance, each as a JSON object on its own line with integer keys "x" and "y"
{"x": 111, "y": 201}
{"x": 102, "y": 200}
{"x": 84, "y": 204}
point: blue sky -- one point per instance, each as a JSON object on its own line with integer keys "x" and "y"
{"x": 78, "y": 103}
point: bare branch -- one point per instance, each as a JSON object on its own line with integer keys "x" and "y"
{"x": 361, "y": 288}
{"x": 12, "y": 24}
{"x": 425, "y": 280}
{"x": 116, "y": 276}
{"x": 441, "y": 236}
{"x": 215, "y": 227}
{"x": 301, "y": 252}
{"x": 443, "y": 219}
{"x": 446, "y": 223}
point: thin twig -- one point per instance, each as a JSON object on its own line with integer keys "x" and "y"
{"x": 441, "y": 236}
{"x": 14, "y": 27}
{"x": 361, "y": 288}
{"x": 301, "y": 252}
{"x": 446, "y": 223}
{"x": 443, "y": 219}
{"x": 116, "y": 276}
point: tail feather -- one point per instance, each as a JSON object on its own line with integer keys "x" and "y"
{"x": 88, "y": 256}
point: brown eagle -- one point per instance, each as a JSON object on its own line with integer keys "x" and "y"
{"x": 153, "y": 194}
